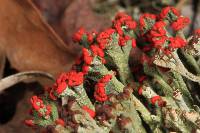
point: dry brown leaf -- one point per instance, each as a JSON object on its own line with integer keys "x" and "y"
{"x": 28, "y": 42}
{"x": 2, "y": 63}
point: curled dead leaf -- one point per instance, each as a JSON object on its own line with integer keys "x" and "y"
{"x": 23, "y": 76}
{"x": 28, "y": 42}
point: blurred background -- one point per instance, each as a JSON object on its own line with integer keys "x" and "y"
{"x": 36, "y": 35}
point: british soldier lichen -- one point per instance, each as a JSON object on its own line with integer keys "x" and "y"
{"x": 101, "y": 94}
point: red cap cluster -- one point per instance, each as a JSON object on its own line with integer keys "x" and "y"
{"x": 168, "y": 11}
{"x": 69, "y": 79}
{"x": 101, "y": 40}
{"x": 122, "y": 19}
{"x": 105, "y": 37}
{"x": 180, "y": 23}
{"x": 78, "y": 36}
{"x": 88, "y": 56}
{"x": 158, "y": 36}
{"x": 95, "y": 49}
{"x": 177, "y": 42}
{"x": 126, "y": 21}
{"x": 40, "y": 108}
{"x": 145, "y": 20}
{"x": 100, "y": 93}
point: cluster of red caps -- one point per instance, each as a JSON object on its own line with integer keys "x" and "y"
{"x": 120, "y": 21}
{"x": 100, "y": 92}
{"x": 157, "y": 34}
{"x": 88, "y": 56}
{"x": 145, "y": 20}
{"x": 78, "y": 36}
{"x": 122, "y": 24}
{"x": 68, "y": 79}
{"x": 39, "y": 108}
{"x": 98, "y": 43}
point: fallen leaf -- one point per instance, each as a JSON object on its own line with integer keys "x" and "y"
{"x": 2, "y": 63}
{"x": 29, "y": 42}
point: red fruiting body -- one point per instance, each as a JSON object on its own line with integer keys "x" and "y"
{"x": 71, "y": 79}
{"x": 118, "y": 28}
{"x": 89, "y": 37}
{"x": 122, "y": 41}
{"x": 85, "y": 69}
{"x": 177, "y": 42}
{"x": 39, "y": 107}
{"x": 96, "y": 50}
{"x": 158, "y": 29}
{"x": 133, "y": 43}
{"x": 74, "y": 78}
{"x": 37, "y": 103}
{"x": 159, "y": 101}
{"x": 123, "y": 19}
{"x": 180, "y": 23}
{"x": 52, "y": 95}
{"x": 146, "y": 17}
{"x": 159, "y": 41}
{"x": 158, "y": 34}
{"x": 60, "y": 122}
{"x": 48, "y": 110}
{"x": 86, "y": 56}
{"x": 106, "y": 78}
{"x": 90, "y": 111}
{"x": 61, "y": 87}
{"x": 140, "y": 90}
{"x": 165, "y": 11}
{"x": 61, "y": 78}
{"x": 29, "y": 123}
{"x": 104, "y": 37}
{"x": 103, "y": 61}
{"x": 77, "y": 37}
{"x": 155, "y": 99}
{"x": 100, "y": 94}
